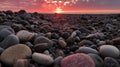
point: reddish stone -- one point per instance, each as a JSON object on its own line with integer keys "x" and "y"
{"x": 77, "y": 60}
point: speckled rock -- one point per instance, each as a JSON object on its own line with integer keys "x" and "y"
{"x": 78, "y": 60}
{"x": 9, "y": 41}
{"x": 24, "y": 35}
{"x": 18, "y": 51}
{"x": 110, "y": 62}
{"x": 97, "y": 60}
{"x": 42, "y": 58}
{"x": 87, "y": 50}
{"x": 21, "y": 63}
{"x": 109, "y": 51}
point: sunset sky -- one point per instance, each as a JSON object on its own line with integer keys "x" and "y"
{"x": 87, "y": 6}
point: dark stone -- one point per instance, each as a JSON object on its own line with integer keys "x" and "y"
{"x": 110, "y": 62}
{"x": 9, "y": 41}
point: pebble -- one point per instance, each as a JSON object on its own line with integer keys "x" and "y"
{"x": 9, "y": 41}
{"x": 85, "y": 43}
{"x": 116, "y": 41}
{"x": 4, "y": 33}
{"x": 109, "y": 51}
{"x": 57, "y": 60}
{"x": 110, "y": 62}
{"x": 62, "y": 43}
{"x": 97, "y": 60}
{"x": 24, "y": 35}
{"x": 11, "y": 54}
{"x": 42, "y": 39}
{"x": 78, "y": 60}
{"x": 42, "y": 59}
{"x": 87, "y": 50}
{"x": 54, "y": 36}
{"x": 41, "y": 47}
{"x": 7, "y": 27}
{"x": 21, "y": 63}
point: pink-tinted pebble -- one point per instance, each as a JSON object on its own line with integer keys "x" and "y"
{"x": 77, "y": 60}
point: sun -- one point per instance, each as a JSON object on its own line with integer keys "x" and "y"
{"x": 58, "y": 10}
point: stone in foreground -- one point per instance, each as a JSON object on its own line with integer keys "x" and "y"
{"x": 77, "y": 60}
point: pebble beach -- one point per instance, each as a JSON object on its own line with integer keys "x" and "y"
{"x": 59, "y": 40}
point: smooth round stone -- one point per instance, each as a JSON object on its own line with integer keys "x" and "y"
{"x": 6, "y": 27}
{"x": 87, "y": 50}
{"x": 24, "y": 35}
{"x": 97, "y": 60}
{"x": 109, "y": 51}
{"x": 41, "y": 47}
{"x": 43, "y": 39}
{"x": 4, "y": 33}
{"x": 77, "y": 60}
{"x": 21, "y": 63}
{"x": 62, "y": 43}
{"x": 42, "y": 59}
{"x": 110, "y": 62}
{"x": 13, "y": 53}
{"x": 9, "y": 41}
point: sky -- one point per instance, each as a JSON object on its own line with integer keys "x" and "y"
{"x": 90, "y": 6}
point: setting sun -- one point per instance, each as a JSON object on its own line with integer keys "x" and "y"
{"x": 58, "y": 10}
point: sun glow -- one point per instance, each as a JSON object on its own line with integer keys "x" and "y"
{"x": 58, "y": 10}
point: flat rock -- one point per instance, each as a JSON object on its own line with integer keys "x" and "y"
{"x": 109, "y": 51}
{"x": 42, "y": 39}
{"x": 18, "y": 51}
{"x": 42, "y": 58}
{"x": 87, "y": 50}
{"x": 78, "y": 60}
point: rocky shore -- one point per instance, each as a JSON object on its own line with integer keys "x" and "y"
{"x": 59, "y": 40}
